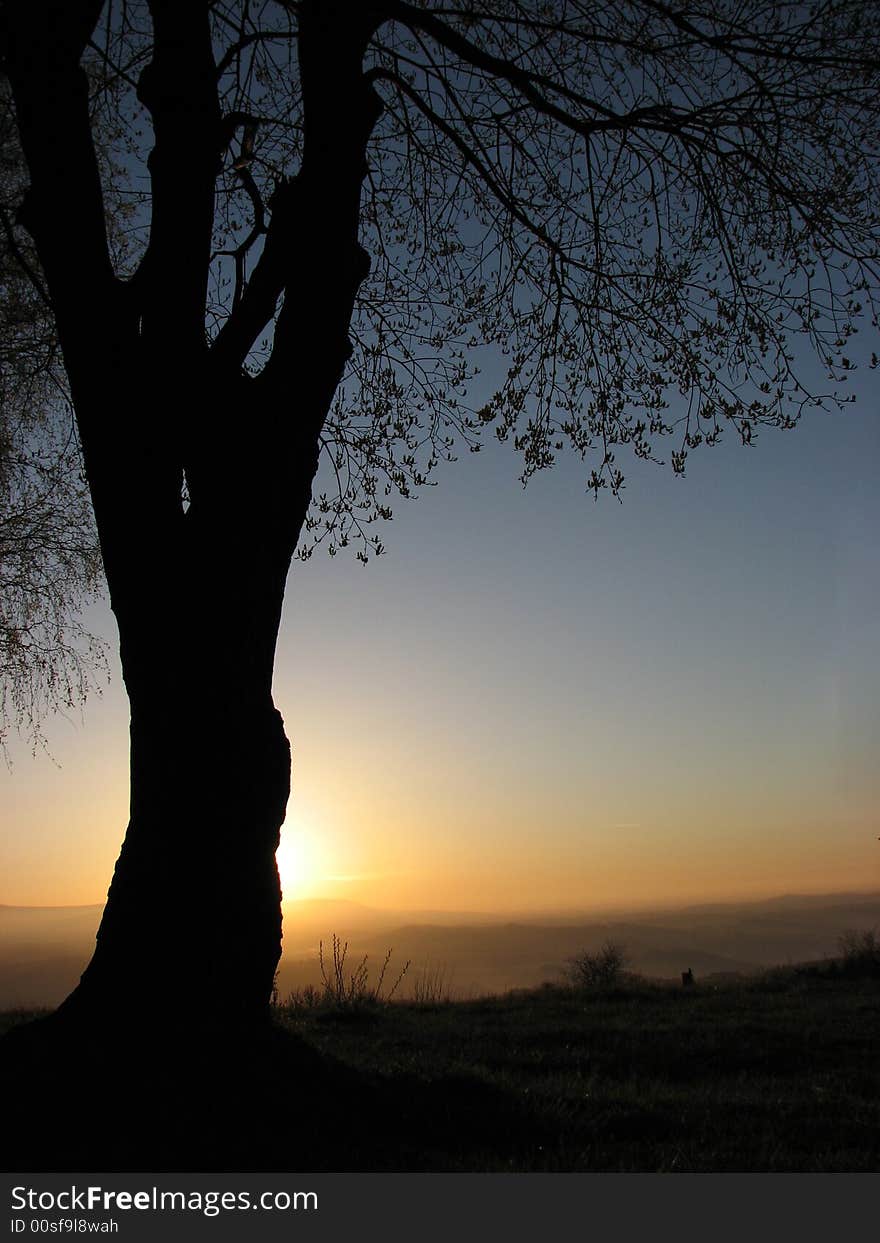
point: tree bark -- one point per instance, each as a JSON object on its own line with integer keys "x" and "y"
{"x": 192, "y": 925}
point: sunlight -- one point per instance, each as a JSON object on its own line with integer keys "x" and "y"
{"x": 296, "y": 862}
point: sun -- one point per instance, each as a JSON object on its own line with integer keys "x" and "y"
{"x": 295, "y": 863}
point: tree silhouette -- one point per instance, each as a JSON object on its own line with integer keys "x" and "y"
{"x": 50, "y": 564}
{"x": 628, "y": 212}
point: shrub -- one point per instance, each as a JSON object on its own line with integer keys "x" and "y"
{"x": 601, "y": 969}
{"x": 341, "y": 990}
{"x": 860, "y": 950}
{"x": 353, "y": 989}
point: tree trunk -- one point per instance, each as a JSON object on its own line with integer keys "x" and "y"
{"x": 193, "y": 919}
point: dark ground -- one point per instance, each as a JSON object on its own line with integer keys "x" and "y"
{"x": 778, "y": 1073}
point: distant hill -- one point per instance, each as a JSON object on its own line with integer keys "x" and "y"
{"x": 44, "y": 949}
{"x": 493, "y": 956}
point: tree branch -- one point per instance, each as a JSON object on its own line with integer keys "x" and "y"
{"x": 179, "y": 89}
{"x": 340, "y": 110}
{"x": 470, "y": 157}
{"x": 761, "y": 47}
{"x": 256, "y": 304}
{"x": 42, "y": 49}
{"x": 23, "y": 262}
{"x": 537, "y": 87}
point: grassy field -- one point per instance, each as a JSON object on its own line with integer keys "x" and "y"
{"x": 777, "y": 1073}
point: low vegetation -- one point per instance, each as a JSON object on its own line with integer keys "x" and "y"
{"x": 432, "y": 985}
{"x": 773, "y": 1072}
{"x": 345, "y": 988}
{"x": 860, "y": 951}
{"x": 601, "y": 969}
{"x": 611, "y": 1071}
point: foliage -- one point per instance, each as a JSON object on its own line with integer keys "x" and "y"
{"x": 639, "y": 210}
{"x": 624, "y": 215}
{"x": 627, "y": 216}
{"x": 50, "y": 563}
{"x": 603, "y": 968}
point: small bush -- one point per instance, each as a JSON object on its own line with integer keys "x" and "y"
{"x": 602, "y": 969}
{"x": 347, "y": 990}
{"x": 860, "y": 950}
{"x": 341, "y": 990}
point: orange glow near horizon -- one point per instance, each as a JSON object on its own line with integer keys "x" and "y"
{"x": 392, "y": 834}
{"x": 532, "y": 705}
{"x": 373, "y": 823}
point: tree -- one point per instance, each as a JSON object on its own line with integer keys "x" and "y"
{"x": 50, "y": 564}
{"x": 630, "y": 212}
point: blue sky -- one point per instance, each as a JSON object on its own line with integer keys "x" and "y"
{"x": 536, "y": 700}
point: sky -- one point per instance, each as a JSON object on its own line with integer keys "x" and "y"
{"x": 535, "y": 701}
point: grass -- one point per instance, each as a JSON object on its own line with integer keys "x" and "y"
{"x": 432, "y": 985}
{"x": 775, "y": 1073}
